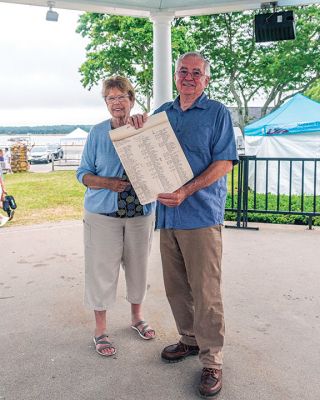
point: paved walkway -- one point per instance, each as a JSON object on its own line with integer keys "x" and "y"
{"x": 272, "y": 307}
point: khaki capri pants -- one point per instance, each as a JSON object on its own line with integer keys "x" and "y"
{"x": 108, "y": 243}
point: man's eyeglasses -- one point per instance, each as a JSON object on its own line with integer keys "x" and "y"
{"x": 183, "y": 73}
{"x": 114, "y": 99}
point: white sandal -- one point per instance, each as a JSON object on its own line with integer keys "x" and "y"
{"x": 144, "y": 328}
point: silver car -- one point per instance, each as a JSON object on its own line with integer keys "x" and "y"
{"x": 40, "y": 154}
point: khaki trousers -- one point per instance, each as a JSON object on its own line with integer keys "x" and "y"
{"x": 108, "y": 243}
{"x": 191, "y": 261}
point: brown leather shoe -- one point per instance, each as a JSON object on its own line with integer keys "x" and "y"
{"x": 178, "y": 352}
{"x": 211, "y": 382}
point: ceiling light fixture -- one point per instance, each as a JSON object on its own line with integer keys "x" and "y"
{"x": 51, "y": 15}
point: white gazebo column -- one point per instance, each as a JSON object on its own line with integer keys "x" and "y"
{"x": 162, "y": 58}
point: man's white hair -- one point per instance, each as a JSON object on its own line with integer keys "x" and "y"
{"x": 194, "y": 54}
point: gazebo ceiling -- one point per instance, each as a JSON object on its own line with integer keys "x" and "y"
{"x": 146, "y": 8}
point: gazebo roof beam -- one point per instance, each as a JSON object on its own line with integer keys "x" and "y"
{"x": 142, "y": 8}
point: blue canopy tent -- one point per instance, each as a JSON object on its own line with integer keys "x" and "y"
{"x": 298, "y": 115}
{"x": 293, "y": 130}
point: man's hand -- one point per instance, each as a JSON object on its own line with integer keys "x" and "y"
{"x": 215, "y": 171}
{"x": 173, "y": 199}
{"x": 138, "y": 120}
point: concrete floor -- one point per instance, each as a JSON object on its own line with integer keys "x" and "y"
{"x": 272, "y": 308}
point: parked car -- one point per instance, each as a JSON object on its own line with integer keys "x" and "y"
{"x": 56, "y": 150}
{"x": 40, "y": 154}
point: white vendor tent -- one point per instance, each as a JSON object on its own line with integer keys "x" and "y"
{"x": 292, "y": 131}
{"x": 239, "y": 140}
{"x": 73, "y": 144}
{"x": 76, "y": 137}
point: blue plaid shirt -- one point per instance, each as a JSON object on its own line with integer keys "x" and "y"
{"x": 205, "y": 133}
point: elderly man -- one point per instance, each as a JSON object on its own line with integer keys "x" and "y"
{"x": 190, "y": 221}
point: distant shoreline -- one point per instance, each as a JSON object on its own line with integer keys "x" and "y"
{"x": 41, "y": 130}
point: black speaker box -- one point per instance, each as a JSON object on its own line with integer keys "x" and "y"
{"x": 271, "y": 27}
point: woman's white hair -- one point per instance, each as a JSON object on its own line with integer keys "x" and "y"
{"x": 194, "y": 54}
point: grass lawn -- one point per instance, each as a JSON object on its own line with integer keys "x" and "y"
{"x": 45, "y": 197}
{"x": 57, "y": 196}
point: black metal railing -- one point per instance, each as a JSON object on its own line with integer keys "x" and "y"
{"x": 262, "y": 185}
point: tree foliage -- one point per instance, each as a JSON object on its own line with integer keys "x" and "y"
{"x": 118, "y": 46}
{"x": 242, "y": 70}
{"x": 314, "y": 91}
{"x": 123, "y": 46}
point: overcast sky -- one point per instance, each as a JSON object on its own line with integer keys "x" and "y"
{"x": 39, "y": 62}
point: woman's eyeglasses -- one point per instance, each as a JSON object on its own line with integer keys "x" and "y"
{"x": 183, "y": 73}
{"x": 114, "y": 99}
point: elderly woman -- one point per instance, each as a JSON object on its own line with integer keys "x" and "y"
{"x": 117, "y": 228}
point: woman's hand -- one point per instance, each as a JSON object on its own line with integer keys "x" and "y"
{"x": 117, "y": 184}
{"x": 102, "y": 182}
